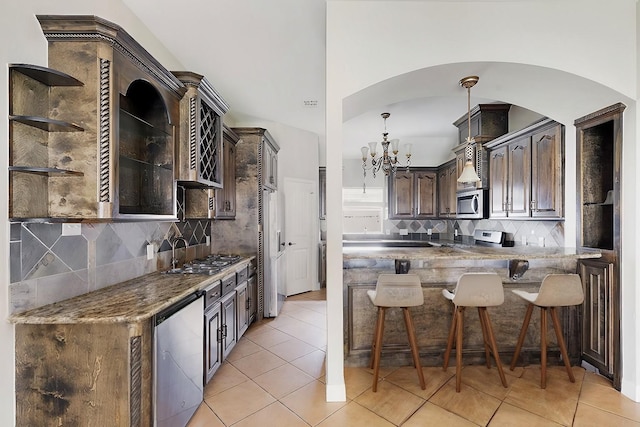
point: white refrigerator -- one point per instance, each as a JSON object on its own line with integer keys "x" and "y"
{"x": 273, "y": 244}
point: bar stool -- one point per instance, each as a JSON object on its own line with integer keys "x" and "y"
{"x": 556, "y": 290}
{"x": 396, "y": 290}
{"x": 479, "y": 290}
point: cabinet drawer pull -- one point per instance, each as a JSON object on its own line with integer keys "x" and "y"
{"x": 517, "y": 147}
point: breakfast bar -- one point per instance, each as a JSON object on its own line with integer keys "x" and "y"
{"x": 439, "y": 264}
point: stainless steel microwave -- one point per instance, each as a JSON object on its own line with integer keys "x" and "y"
{"x": 472, "y": 204}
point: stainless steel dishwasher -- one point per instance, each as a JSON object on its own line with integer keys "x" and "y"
{"x": 178, "y": 362}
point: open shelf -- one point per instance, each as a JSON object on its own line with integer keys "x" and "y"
{"x": 45, "y": 171}
{"x": 47, "y": 76}
{"x": 131, "y": 121}
{"x": 50, "y": 125}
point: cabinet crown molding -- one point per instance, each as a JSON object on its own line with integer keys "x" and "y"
{"x": 90, "y": 27}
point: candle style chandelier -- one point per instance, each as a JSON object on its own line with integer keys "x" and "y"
{"x": 387, "y": 162}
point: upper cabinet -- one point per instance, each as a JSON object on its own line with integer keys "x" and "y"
{"x": 447, "y": 185}
{"x": 412, "y": 194}
{"x": 527, "y": 172}
{"x": 270, "y": 162}
{"x": 599, "y": 154}
{"x": 199, "y": 155}
{"x": 102, "y": 149}
{"x": 488, "y": 121}
{"x": 226, "y": 196}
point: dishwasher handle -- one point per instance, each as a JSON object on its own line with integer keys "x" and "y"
{"x": 173, "y": 309}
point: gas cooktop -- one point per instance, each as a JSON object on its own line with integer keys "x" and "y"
{"x": 210, "y": 265}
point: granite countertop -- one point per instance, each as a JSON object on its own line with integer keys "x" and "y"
{"x": 456, "y": 251}
{"x": 128, "y": 302}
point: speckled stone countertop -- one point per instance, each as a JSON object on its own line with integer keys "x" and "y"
{"x": 456, "y": 251}
{"x": 127, "y": 302}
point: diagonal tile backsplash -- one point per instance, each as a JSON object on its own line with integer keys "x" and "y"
{"x": 47, "y": 267}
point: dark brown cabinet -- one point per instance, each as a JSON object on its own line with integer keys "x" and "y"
{"x": 599, "y": 154}
{"x": 498, "y": 178}
{"x": 252, "y": 298}
{"x": 600, "y": 310}
{"x": 199, "y": 154}
{"x": 197, "y": 203}
{"x": 526, "y": 178}
{"x": 547, "y": 173}
{"x": 242, "y": 301}
{"x": 228, "y": 305}
{"x": 213, "y": 333}
{"x": 488, "y": 121}
{"x": 518, "y": 177}
{"x": 120, "y": 163}
{"x": 226, "y": 196}
{"x": 270, "y": 164}
{"x": 447, "y": 187}
{"x": 413, "y": 194}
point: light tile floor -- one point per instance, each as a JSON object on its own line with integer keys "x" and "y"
{"x": 275, "y": 377}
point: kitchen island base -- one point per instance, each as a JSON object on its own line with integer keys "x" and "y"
{"x": 433, "y": 319}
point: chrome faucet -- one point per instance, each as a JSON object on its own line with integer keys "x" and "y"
{"x": 173, "y": 243}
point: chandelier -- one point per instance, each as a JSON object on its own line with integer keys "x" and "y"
{"x": 469, "y": 172}
{"x": 387, "y": 162}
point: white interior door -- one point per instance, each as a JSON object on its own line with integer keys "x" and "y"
{"x": 300, "y": 201}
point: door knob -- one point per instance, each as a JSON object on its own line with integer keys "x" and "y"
{"x": 291, "y": 244}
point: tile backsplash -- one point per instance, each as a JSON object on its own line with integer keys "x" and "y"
{"x": 47, "y": 266}
{"x": 547, "y": 233}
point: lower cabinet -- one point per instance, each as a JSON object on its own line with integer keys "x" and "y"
{"x": 219, "y": 328}
{"x": 84, "y": 374}
{"x": 212, "y": 340}
{"x": 242, "y": 319}
{"x": 252, "y": 296}
{"x": 228, "y": 317}
{"x": 601, "y": 315}
{"x": 229, "y": 308}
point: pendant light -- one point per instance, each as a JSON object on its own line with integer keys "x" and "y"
{"x": 469, "y": 171}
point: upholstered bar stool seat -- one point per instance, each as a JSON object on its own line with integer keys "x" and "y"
{"x": 556, "y": 290}
{"x": 396, "y": 290}
{"x": 479, "y": 290}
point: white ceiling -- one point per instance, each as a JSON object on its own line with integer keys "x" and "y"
{"x": 266, "y": 58}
